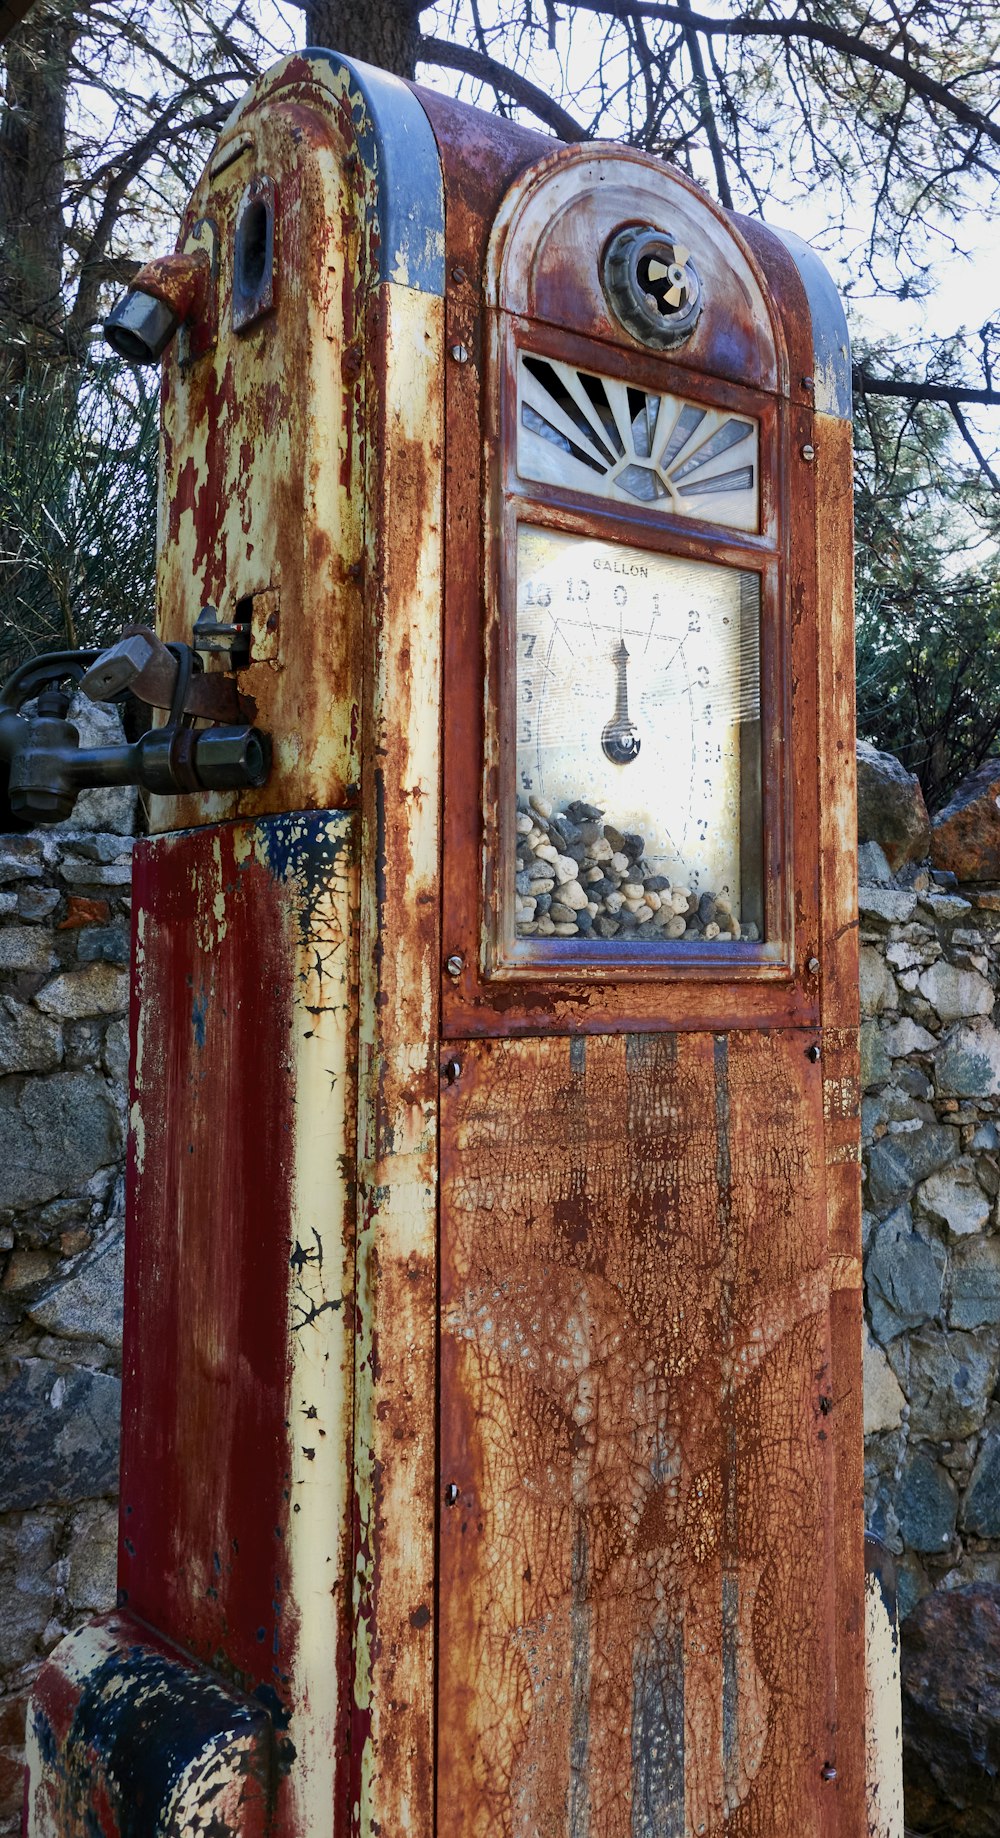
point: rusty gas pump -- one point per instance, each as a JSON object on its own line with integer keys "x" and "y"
{"x": 492, "y": 1436}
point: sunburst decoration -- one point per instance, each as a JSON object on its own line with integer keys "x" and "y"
{"x": 600, "y": 436}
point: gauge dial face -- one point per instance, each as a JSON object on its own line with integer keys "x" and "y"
{"x": 637, "y": 744}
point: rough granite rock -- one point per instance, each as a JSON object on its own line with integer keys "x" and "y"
{"x": 967, "y": 1064}
{"x": 883, "y": 1393}
{"x": 954, "y": 1198}
{"x": 27, "y": 1554}
{"x": 951, "y": 1713}
{"x": 86, "y": 1301}
{"x": 93, "y": 1557}
{"x": 903, "y": 1276}
{"x": 955, "y": 993}
{"x": 59, "y": 1434}
{"x": 904, "y": 1037}
{"x": 975, "y": 1284}
{"x": 950, "y": 1380}
{"x": 981, "y": 1514}
{"x": 926, "y": 1504}
{"x": 873, "y": 869}
{"x": 897, "y": 1163}
{"x": 966, "y": 834}
{"x": 97, "y": 989}
{"x": 891, "y": 808}
{"x": 54, "y": 1134}
{"x": 878, "y": 988}
{"x": 29, "y": 1042}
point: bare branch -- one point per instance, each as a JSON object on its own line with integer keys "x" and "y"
{"x": 508, "y": 82}
{"x": 974, "y": 447}
{"x": 910, "y": 390}
{"x": 849, "y": 44}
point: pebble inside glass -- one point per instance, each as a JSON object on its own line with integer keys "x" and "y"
{"x": 637, "y": 745}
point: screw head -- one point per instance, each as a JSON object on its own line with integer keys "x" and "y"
{"x": 828, "y": 1772}
{"x": 808, "y": 452}
{"x": 451, "y": 1494}
{"x": 459, "y": 353}
{"x": 808, "y": 382}
{"x": 459, "y": 275}
{"x": 455, "y": 964}
{"x": 452, "y": 1070}
{"x": 812, "y": 966}
{"x": 814, "y": 1052}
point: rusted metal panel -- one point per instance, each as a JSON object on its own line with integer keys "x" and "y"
{"x": 122, "y": 1727}
{"x": 637, "y": 1574}
{"x": 235, "y": 1508}
{"x": 264, "y": 438}
{"x": 694, "y": 996}
{"x": 560, "y": 217}
{"x": 395, "y": 1357}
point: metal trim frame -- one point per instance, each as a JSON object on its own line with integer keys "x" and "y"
{"x": 831, "y": 338}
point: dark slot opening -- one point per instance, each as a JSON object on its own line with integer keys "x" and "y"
{"x": 253, "y": 249}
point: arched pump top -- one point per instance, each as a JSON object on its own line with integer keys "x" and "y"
{"x": 399, "y": 180}
{"x": 395, "y": 145}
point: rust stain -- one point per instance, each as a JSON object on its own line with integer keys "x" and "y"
{"x": 636, "y": 1596}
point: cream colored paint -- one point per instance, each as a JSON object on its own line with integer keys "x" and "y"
{"x": 883, "y": 1718}
{"x": 397, "y": 1171}
{"x": 319, "y": 1325}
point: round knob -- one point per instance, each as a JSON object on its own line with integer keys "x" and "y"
{"x": 652, "y": 286}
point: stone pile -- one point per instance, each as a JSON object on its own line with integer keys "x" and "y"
{"x": 64, "y": 983}
{"x": 580, "y": 877}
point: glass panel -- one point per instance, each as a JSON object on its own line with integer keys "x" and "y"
{"x": 638, "y": 753}
{"x": 610, "y": 440}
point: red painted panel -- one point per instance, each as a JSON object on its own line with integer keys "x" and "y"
{"x": 204, "y": 1462}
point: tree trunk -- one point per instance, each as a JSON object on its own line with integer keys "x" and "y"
{"x": 382, "y": 32}
{"x": 32, "y": 175}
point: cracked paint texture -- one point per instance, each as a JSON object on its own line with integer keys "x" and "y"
{"x": 635, "y": 1592}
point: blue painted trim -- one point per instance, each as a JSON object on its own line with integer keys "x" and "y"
{"x": 397, "y": 145}
{"x": 831, "y": 339}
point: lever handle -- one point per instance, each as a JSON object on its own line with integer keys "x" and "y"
{"x": 142, "y": 663}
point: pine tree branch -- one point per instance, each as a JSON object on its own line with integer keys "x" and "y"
{"x": 508, "y": 82}
{"x": 974, "y": 447}
{"x": 910, "y": 390}
{"x": 849, "y": 44}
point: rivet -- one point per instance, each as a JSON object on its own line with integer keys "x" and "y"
{"x": 455, "y": 964}
{"x": 459, "y": 275}
{"x": 812, "y": 966}
{"x": 452, "y": 1070}
{"x": 451, "y": 1494}
{"x": 828, "y": 1772}
{"x": 459, "y": 353}
{"x": 814, "y": 1052}
{"x": 808, "y": 452}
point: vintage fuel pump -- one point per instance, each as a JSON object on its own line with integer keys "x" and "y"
{"x": 492, "y": 1428}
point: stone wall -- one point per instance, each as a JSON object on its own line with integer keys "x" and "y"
{"x": 64, "y": 980}
{"x": 930, "y": 969}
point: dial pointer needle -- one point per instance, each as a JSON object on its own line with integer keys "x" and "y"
{"x": 619, "y": 739}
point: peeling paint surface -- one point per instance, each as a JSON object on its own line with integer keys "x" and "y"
{"x": 636, "y": 1577}
{"x": 883, "y": 1703}
{"x": 127, "y": 1739}
{"x": 235, "y": 1522}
